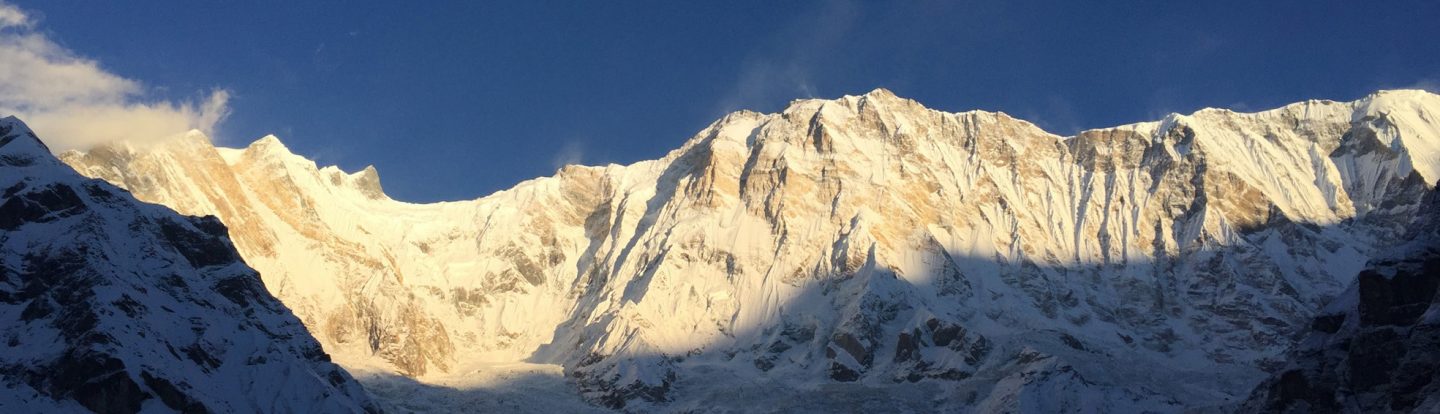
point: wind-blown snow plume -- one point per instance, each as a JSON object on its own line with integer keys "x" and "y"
{"x": 76, "y": 103}
{"x": 570, "y": 153}
{"x": 787, "y": 70}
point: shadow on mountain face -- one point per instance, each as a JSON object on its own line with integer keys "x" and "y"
{"x": 1198, "y": 327}
{"x": 1376, "y": 348}
{"x": 1182, "y": 329}
{"x": 114, "y": 305}
{"x": 1194, "y": 330}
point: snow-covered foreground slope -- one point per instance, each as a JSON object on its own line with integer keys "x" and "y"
{"x": 864, "y": 247}
{"x": 511, "y": 387}
{"x": 118, "y": 306}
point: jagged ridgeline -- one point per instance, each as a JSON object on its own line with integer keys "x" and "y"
{"x": 863, "y": 250}
{"x": 114, "y": 305}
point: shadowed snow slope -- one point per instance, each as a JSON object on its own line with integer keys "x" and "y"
{"x": 862, "y": 246}
{"x": 119, "y": 306}
{"x": 1376, "y": 348}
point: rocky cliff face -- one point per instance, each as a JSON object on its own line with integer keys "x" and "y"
{"x": 1376, "y": 348}
{"x": 859, "y": 246}
{"x": 118, "y": 306}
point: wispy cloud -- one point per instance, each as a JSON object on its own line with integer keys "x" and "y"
{"x": 12, "y": 17}
{"x": 1431, "y": 85}
{"x": 74, "y": 103}
{"x": 572, "y": 152}
{"x": 1055, "y": 115}
{"x": 786, "y": 70}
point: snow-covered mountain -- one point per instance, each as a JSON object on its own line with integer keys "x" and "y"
{"x": 1376, "y": 348}
{"x": 863, "y": 250}
{"x": 117, "y": 306}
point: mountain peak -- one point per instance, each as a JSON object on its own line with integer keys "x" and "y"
{"x": 18, "y": 144}
{"x": 1389, "y": 100}
{"x": 1403, "y": 93}
{"x": 267, "y": 146}
{"x": 101, "y": 280}
{"x": 881, "y": 93}
{"x": 368, "y": 181}
{"x": 800, "y": 106}
{"x": 269, "y": 140}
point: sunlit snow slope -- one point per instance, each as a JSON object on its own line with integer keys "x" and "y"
{"x": 864, "y": 248}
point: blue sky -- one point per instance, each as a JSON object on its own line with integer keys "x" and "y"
{"x": 455, "y": 100}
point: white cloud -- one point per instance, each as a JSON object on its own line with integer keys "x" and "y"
{"x": 12, "y": 17}
{"x": 71, "y": 102}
